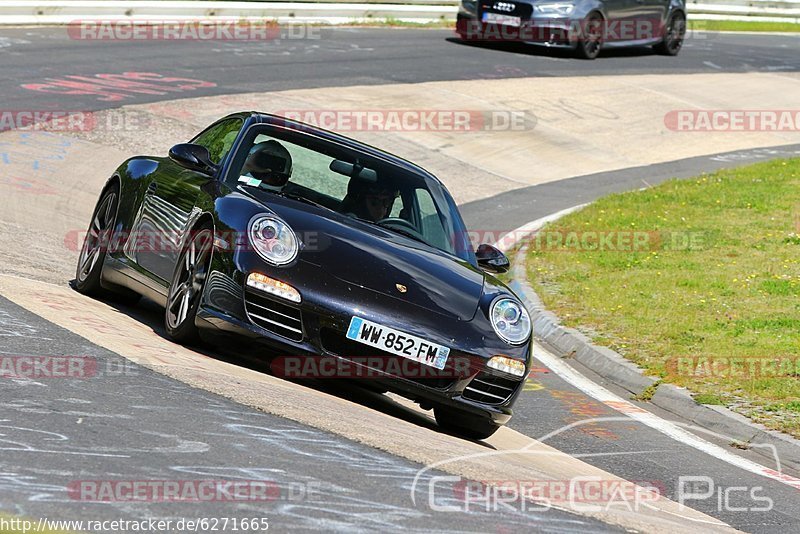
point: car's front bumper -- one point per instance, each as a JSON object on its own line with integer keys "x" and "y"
{"x": 224, "y": 311}
{"x": 544, "y": 30}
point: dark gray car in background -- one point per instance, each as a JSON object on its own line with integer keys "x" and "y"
{"x": 587, "y": 26}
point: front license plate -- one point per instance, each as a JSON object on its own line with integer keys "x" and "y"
{"x": 396, "y": 342}
{"x": 504, "y": 20}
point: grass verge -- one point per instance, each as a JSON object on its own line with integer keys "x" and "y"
{"x": 391, "y": 22}
{"x": 743, "y": 26}
{"x": 697, "y": 281}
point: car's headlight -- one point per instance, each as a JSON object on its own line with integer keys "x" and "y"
{"x": 470, "y": 6}
{"x": 510, "y": 320}
{"x": 273, "y": 239}
{"x": 559, "y": 8}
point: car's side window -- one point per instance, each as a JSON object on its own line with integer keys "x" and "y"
{"x": 219, "y": 138}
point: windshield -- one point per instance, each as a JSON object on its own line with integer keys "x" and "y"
{"x": 352, "y": 184}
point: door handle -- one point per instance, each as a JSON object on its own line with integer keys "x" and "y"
{"x": 151, "y": 187}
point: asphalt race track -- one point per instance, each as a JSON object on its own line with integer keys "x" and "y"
{"x": 320, "y": 480}
{"x": 135, "y": 425}
{"x": 345, "y": 57}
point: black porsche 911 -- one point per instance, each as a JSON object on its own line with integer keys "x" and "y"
{"x": 318, "y": 246}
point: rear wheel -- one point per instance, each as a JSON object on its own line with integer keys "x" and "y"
{"x": 590, "y": 40}
{"x": 187, "y": 285}
{"x": 465, "y": 425}
{"x": 674, "y": 33}
{"x": 93, "y": 252}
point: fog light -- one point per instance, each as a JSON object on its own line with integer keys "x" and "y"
{"x": 507, "y": 365}
{"x": 273, "y": 287}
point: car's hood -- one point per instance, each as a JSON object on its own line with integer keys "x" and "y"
{"x": 382, "y": 261}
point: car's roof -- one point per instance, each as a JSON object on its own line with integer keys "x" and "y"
{"x": 277, "y": 120}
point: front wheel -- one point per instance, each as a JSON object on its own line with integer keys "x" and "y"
{"x": 674, "y": 34}
{"x": 187, "y": 285}
{"x": 590, "y": 40}
{"x": 468, "y": 426}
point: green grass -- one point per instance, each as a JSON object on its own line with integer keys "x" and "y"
{"x": 743, "y": 26}
{"x": 391, "y": 22}
{"x": 703, "y": 25}
{"x": 705, "y": 398}
{"x": 716, "y": 278}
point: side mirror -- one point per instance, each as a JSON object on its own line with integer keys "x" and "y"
{"x": 491, "y": 259}
{"x": 194, "y": 157}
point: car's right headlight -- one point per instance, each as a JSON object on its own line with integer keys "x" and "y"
{"x": 273, "y": 239}
{"x": 510, "y": 320}
{"x": 556, "y": 8}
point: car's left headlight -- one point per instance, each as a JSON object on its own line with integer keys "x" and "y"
{"x": 510, "y": 320}
{"x": 273, "y": 239}
{"x": 556, "y": 8}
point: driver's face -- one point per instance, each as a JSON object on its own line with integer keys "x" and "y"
{"x": 378, "y": 206}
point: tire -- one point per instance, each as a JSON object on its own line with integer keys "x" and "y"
{"x": 186, "y": 287}
{"x": 99, "y": 239}
{"x": 467, "y": 426}
{"x": 674, "y": 34}
{"x": 591, "y": 39}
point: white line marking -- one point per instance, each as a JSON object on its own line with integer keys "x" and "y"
{"x": 510, "y": 239}
{"x": 667, "y": 428}
{"x": 598, "y": 392}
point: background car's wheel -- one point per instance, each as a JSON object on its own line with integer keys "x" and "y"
{"x": 468, "y": 426}
{"x": 674, "y": 34}
{"x": 187, "y": 285}
{"x": 93, "y": 252}
{"x": 591, "y": 38}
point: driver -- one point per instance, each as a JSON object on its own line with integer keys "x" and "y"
{"x": 372, "y": 202}
{"x": 270, "y": 162}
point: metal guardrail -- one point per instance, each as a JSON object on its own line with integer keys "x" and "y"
{"x": 330, "y": 11}
{"x": 334, "y": 11}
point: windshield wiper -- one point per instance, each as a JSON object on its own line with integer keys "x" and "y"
{"x": 287, "y": 195}
{"x": 402, "y": 232}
